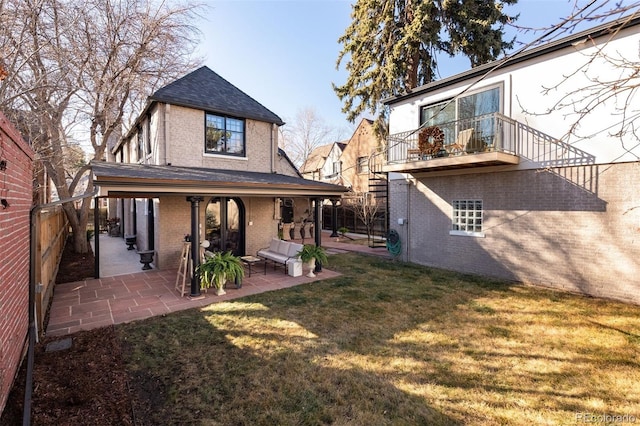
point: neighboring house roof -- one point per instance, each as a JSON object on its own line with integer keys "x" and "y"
{"x": 206, "y": 90}
{"x": 602, "y": 30}
{"x": 127, "y": 179}
{"x": 316, "y": 158}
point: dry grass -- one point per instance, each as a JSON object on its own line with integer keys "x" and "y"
{"x": 390, "y": 343}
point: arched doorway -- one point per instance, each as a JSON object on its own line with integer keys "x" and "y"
{"x": 224, "y": 225}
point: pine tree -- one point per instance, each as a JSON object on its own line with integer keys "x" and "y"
{"x": 391, "y": 45}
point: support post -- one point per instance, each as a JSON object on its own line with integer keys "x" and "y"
{"x": 317, "y": 226}
{"x": 96, "y": 236}
{"x": 334, "y": 218}
{"x": 195, "y": 244}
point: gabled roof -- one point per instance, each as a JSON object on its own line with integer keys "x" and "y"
{"x": 606, "y": 29}
{"x": 206, "y": 90}
{"x": 318, "y": 156}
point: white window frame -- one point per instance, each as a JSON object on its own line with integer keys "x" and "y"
{"x": 336, "y": 168}
{"x": 363, "y": 165}
{"x": 467, "y": 218}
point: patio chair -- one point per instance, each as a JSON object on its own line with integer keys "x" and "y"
{"x": 462, "y": 141}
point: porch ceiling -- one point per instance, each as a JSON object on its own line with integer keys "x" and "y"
{"x": 484, "y": 159}
{"x": 123, "y": 180}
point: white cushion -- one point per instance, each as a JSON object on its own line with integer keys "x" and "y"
{"x": 274, "y": 245}
{"x": 294, "y": 248}
{"x": 283, "y": 247}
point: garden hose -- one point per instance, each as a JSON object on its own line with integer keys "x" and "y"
{"x": 393, "y": 243}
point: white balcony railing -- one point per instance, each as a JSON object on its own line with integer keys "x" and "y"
{"x": 487, "y": 133}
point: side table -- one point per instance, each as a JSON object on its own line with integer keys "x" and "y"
{"x": 253, "y": 260}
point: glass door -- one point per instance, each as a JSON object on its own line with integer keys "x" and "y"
{"x": 223, "y": 225}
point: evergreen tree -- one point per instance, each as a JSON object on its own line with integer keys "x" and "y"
{"x": 391, "y": 45}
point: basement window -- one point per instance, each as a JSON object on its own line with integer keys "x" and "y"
{"x": 467, "y": 218}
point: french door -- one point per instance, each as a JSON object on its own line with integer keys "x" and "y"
{"x": 224, "y": 225}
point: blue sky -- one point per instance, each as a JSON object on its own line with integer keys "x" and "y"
{"x": 283, "y": 52}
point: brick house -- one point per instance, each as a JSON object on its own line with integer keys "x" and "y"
{"x": 353, "y": 163}
{"x": 16, "y": 193}
{"x": 361, "y": 172}
{"x": 202, "y": 159}
{"x": 483, "y": 181}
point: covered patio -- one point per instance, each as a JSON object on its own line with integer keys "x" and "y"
{"x": 184, "y": 196}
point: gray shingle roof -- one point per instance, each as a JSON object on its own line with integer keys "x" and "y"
{"x": 169, "y": 176}
{"x": 206, "y": 90}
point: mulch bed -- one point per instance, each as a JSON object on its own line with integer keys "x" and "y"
{"x": 86, "y": 384}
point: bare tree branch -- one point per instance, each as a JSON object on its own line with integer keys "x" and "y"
{"x": 78, "y": 67}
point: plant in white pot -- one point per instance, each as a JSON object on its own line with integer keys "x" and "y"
{"x": 311, "y": 253}
{"x": 218, "y": 268}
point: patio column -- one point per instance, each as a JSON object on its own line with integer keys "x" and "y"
{"x": 317, "y": 226}
{"x": 334, "y": 218}
{"x": 96, "y": 237}
{"x": 195, "y": 244}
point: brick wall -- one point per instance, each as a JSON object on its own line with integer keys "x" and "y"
{"x": 576, "y": 228}
{"x": 174, "y": 219}
{"x": 16, "y": 187}
{"x": 174, "y": 216}
{"x": 185, "y": 144}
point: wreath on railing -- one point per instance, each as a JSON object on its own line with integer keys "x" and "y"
{"x": 425, "y": 136}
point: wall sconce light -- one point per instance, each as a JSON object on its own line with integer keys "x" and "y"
{"x": 4, "y": 203}
{"x": 3, "y": 165}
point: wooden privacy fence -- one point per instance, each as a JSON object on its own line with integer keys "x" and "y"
{"x": 52, "y": 228}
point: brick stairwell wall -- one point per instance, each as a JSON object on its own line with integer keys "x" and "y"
{"x": 16, "y": 186}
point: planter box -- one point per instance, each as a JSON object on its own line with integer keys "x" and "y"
{"x": 294, "y": 269}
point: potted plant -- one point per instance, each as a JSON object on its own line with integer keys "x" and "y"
{"x": 218, "y": 268}
{"x": 311, "y": 253}
{"x": 343, "y": 231}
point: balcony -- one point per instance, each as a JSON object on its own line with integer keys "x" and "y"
{"x": 486, "y": 140}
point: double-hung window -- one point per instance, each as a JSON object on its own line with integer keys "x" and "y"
{"x": 337, "y": 168}
{"x": 139, "y": 144}
{"x": 224, "y": 135}
{"x": 363, "y": 165}
{"x": 147, "y": 134}
{"x": 467, "y": 218}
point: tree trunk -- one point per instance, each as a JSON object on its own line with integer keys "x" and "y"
{"x": 78, "y": 220}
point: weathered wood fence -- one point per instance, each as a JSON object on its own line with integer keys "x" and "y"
{"x": 53, "y": 229}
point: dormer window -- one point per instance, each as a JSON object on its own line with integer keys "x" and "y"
{"x": 224, "y": 135}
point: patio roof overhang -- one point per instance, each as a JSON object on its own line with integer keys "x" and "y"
{"x": 124, "y": 180}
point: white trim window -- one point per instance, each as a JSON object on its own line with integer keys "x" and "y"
{"x": 467, "y": 218}
{"x": 363, "y": 165}
{"x": 337, "y": 168}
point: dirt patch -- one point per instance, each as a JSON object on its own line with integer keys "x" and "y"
{"x": 75, "y": 266}
{"x": 86, "y": 384}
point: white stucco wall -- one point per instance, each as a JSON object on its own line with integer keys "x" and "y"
{"x": 327, "y": 168}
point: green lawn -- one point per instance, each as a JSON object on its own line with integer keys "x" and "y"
{"x": 390, "y": 343}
